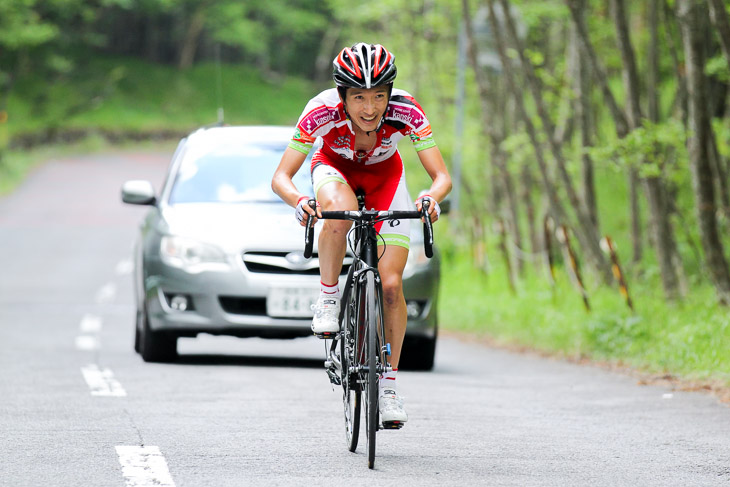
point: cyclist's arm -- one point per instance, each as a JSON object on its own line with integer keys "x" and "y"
{"x": 282, "y": 183}
{"x": 435, "y": 166}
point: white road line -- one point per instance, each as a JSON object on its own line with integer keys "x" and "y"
{"x": 124, "y": 267}
{"x": 102, "y": 381}
{"x": 90, "y": 324}
{"x": 106, "y": 294}
{"x": 144, "y": 466}
{"x": 87, "y": 343}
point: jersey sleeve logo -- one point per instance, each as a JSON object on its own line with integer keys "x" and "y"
{"x": 319, "y": 117}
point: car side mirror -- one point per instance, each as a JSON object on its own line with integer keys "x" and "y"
{"x": 138, "y": 192}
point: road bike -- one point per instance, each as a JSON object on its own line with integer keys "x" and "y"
{"x": 359, "y": 352}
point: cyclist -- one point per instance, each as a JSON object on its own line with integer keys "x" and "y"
{"x": 360, "y": 123}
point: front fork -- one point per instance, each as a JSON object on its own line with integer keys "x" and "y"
{"x": 333, "y": 362}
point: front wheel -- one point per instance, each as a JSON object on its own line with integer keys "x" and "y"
{"x": 154, "y": 346}
{"x": 352, "y": 397}
{"x": 374, "y": 323}
{"x": 352, "y": 401}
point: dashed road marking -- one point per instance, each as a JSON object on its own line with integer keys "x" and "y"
{"x": 87, "y": 343}
{"x": 90, "y": 327}
{"x": 144, "y": 466}
{"x": 102, "y": 381}
{"x": 124, "y": 267}
{"x": 90, "y": 324}
{"x": 106, "y": 294}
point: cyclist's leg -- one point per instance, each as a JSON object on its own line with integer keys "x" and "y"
{"x": 392, "y": 194}
{"x": 391, "y": 267}
{"x": 333, "y": 193}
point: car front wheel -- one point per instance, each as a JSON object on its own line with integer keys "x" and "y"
{"x": 418, "y": 353}
{"x": 153, "y": 346}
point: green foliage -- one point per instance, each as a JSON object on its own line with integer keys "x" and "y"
{"x": 688, "y": 339}
{"x": 255, "y": 25}
{"x": 647, "y": 148}
{"x": 139, "y": 96}
{"x": 717, "y": 67}
{"x": 518, "y": 146}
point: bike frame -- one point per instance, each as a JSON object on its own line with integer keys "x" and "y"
{"x": 363, "y": 357}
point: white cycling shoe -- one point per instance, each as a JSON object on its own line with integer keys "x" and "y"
{"x": 326, "y": 319}
{"x": 392, "y": 411}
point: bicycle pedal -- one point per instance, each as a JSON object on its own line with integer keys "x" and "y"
{"x": 327, "y": 335}
{"x": 393, "y": 425}
{"x": 334, "y": 378}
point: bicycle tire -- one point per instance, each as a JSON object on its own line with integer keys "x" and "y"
{"x": 373, "y": 375}
{"x": 352, "y": 397}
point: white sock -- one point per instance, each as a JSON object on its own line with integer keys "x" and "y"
{"x": 330, "y": 291}
{"x": 387, "y": 382}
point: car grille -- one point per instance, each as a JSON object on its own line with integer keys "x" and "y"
{"x": 286, "y": 263}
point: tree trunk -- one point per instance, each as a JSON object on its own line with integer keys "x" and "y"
{"x": 582, "y": 87}
{"x": 586, "y": 231}
{"x": 577, "y": 9}
{"x": 620, "y": 119}
{"x": 555, "y": 207}
{"x": 654, "y": 115}
{"x": 660, "y": 226}
{"x": 491, "y": 131}
{"x": 567, "y": 111}
{"x": 719, "y": 174}
{"x": 599, "y": 72}
{"x": 653, "y": 62}
{"x": 691, "y": 17}
{"x": 325, "y": 54}
{"x": 192, "y": 36}
{"x": 674, "y": 48}
{"x": 720, "y": 21}
{"x": 526, "y": 195}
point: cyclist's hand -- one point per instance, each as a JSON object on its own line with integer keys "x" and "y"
{"x": 303, "y": 210}
{"x": 433, "y": 209}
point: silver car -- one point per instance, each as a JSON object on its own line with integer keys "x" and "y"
{"x": 220, "y": 253}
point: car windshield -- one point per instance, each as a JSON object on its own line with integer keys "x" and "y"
{"x": 234, "y": 173}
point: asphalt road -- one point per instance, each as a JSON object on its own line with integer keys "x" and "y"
{"x": 79, "y": 408}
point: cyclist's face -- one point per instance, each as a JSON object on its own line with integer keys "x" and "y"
{"x": 366, "y": 106}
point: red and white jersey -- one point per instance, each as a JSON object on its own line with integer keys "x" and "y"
{"x": 324, "y": 116}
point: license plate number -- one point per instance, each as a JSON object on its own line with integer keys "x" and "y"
{"x": 291, "y": 302}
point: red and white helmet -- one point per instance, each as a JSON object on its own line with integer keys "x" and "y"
{"x": 364, "y": 66}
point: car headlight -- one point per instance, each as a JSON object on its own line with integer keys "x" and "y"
{"x": 191, "y": 255}
{"x": 416, "y": 259}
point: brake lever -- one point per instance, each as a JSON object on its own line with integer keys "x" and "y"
{"x": 427, "y": 228}
{"x": 309, "y": 232}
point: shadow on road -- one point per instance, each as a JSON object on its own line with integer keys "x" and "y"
{"x": 248, "y": 361}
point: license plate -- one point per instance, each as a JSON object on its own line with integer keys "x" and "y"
{"x": 291, "y": 302}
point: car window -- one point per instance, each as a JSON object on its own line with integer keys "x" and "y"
{"x": 232, "y": 174}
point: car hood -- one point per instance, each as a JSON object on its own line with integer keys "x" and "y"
{"x": 236, "y": 227}
{"x": 244, "y": 226}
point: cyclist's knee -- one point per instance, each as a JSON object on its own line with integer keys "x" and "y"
{"x": 336, "y": 228}
{"x": 392, "y": 289}
{"x": 336, "y": 197}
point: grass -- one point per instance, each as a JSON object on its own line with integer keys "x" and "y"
{"x": 688, "y": 339}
